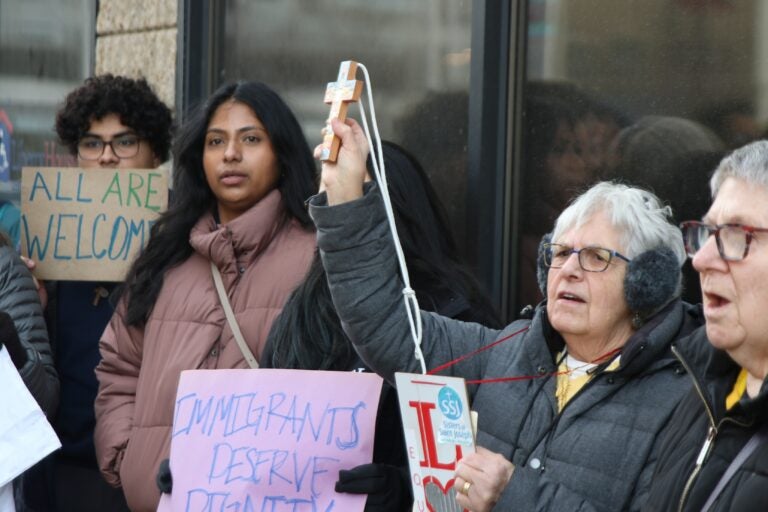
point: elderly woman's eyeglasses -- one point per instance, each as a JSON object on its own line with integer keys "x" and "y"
{"x": 123, "y": 146}
{"x": 732, "y": 240}
{"x": 591, "y": 259}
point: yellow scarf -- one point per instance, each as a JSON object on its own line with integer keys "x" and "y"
{"x": 569, "y": 384}
{"x": 739, "y": 387}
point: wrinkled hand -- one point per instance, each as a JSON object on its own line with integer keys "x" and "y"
{"x": 343, "y": 180}
{"x": 387, "y": 486}
{"x": 488, "y": 473}
{"x": 42, "y": 293}
{"x": 164, "y": 479}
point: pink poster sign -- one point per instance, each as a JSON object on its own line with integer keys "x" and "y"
{"x": 269, "y": 440}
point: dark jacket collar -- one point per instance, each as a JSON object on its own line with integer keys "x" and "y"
{"x": 715, "y": 373}
{"x": 646, "y": 347}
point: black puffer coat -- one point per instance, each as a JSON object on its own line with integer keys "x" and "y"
{"x": 679, "y": 484}
{"x": 19, "y": 298}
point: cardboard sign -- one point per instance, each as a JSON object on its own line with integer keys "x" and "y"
{"x": 88, "y": 224}
{"x": 438, "y": 432}
{"x": 253, "y": 440}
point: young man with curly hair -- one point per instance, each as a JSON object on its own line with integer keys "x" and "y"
{"x": 109, "y": 122}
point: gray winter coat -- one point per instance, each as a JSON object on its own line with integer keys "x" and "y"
{"x": 19, "y": 298}
{"x": 597, "y": 454}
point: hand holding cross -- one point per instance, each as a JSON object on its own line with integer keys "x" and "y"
{"x": 339, "y": 94}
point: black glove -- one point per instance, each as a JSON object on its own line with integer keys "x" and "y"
{"x": 387, "y": 486}
{"x": 10, "y": 338}
{"x": 164, "y": 479}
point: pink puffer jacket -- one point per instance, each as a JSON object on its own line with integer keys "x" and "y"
{"x": 261, "y": 260}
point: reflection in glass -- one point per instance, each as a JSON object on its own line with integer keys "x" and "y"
{"x": 649, "y": 92}
{"x": 42, "y": 57}
{"x": 417, "y": 54}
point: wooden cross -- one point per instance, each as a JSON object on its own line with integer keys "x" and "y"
{"x": 339, "y": 94}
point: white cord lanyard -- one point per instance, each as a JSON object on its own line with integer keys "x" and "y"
{"x": 377, "y": 157}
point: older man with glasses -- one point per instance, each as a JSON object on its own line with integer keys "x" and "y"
{"x": 715, "y": 456}
{"x": 109, "y": 122}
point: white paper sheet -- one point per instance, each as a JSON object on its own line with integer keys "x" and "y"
{"x": 165, "y": 504}
{"x": 25, "y": 434}
{"x": 6, "y": 498}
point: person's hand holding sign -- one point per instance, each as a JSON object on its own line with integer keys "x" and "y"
{"x": 343, "y": 180}
{"x": 480, "y": 479}
{"x": 42, "y": 292}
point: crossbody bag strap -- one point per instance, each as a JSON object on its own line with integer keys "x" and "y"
{"x": 231, "y": 318}
{"x": 748, "y": 449}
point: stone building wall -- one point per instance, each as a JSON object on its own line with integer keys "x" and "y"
{"x": 137, "y": 38}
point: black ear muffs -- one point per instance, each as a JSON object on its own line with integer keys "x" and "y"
{"x": 652, "y": 280}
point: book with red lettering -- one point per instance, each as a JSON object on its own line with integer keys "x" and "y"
{"x": 438, "y": 432}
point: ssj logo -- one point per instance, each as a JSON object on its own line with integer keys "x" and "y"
{"x": 450, "y": 403}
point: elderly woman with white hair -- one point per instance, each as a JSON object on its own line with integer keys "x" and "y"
{"x": 580, "y": 430}
{"x": 715, "y": 455}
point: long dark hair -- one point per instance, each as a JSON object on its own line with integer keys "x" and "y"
{"x": 169, "y": 242}
{"x": 308, "y": 333}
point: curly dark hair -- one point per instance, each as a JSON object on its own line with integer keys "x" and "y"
{"x": 131, "y": 99}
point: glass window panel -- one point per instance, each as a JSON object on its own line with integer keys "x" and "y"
{"x": 417, "y": 54}
{"x": 42, "y": 57}
{"x": 652, "y": 92}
